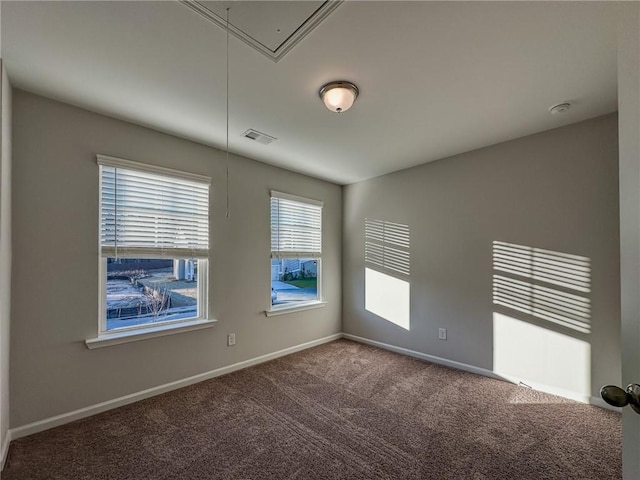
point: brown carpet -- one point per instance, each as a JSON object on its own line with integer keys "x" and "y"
{"x": 338, "y": 411}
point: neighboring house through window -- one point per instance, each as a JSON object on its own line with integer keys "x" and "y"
{"x": 296, "y": 251}
{"x": 154, "y": 245}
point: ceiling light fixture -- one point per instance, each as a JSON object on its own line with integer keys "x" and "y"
{"x": 339, "y": 96}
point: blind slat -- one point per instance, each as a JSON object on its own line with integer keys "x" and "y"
{"x": 296, "y": 228}
{"x": 145, "y": 214}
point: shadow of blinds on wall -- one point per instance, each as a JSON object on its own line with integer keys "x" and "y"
{"x": 387, "y": 245}
{"x": 548, "y": 285}
{"x": 387, "y": 287}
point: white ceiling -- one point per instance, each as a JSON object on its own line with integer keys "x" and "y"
{"x": 435, "y": 78}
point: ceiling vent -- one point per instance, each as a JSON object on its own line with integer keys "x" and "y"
{"x": 259, "y": 137}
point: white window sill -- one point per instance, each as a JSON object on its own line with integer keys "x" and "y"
{"x": 292, "y": 309}
{"x": 116, "y": 338}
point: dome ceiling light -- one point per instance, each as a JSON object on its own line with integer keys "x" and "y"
{"x": 339, "y": 96}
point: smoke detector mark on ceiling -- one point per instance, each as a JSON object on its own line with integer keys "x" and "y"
{"x": 560, "y": 108}
{"x": 259, "y": 137}
{"x": 272, "y": 28}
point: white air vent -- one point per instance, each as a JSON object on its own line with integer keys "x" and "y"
{"x": 259, "y": 137}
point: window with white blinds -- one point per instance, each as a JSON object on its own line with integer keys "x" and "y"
{"x": 296, "y": 253}
{"x": 296, "y": 226}
{"x": 149, "y": 212}
{"x": 154, "y": 247}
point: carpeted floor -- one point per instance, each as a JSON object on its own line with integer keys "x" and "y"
{"x": 339, "y": 411}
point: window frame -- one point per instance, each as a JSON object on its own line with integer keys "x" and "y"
{"x": 317, "y": 256}
{"x": 202, "y": 302}
{"x": 152, "y": 329}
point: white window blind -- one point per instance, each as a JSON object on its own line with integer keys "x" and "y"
{"x": 150, "y": 212}
{"x": 296, "y": 227}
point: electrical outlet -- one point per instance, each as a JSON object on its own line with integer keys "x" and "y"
{"x": 231, "y": 340}
{"x": 442, "y": 333}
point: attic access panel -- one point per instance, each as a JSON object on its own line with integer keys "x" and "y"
{"x": 271, "y": 27}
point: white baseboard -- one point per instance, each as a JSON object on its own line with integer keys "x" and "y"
{"x": 593, "y": 400}
{"x": 64, "y": 418}
{"x": 4, "y": 448}
{"x": 427, "y": 357}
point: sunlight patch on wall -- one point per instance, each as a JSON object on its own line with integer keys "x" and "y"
{"x": 388, "y": 297}
{"x": 561, "y": 308}
{"x": 386, "y": 255}
{"x": 541, "y": 358}
{"x": 562, "y": 269}
{"x": 561, "y": 301}
{"x": 387, "y": 245}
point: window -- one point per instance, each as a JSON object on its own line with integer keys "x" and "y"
{"x": 154, "y": 246}
{"x": 296, "y": 251}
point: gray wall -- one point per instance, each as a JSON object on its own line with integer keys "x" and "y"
{"x": 55, "y": 274}
{"x": 557, "y": 190}
{"x": 5, "y": 254}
